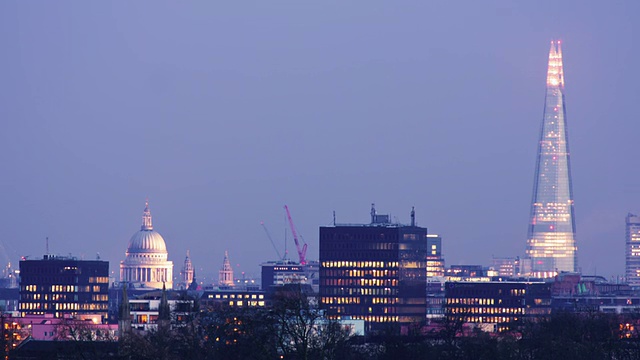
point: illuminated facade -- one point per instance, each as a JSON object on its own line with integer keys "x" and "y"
{"x": 633, "y": 250}
{"x": 496, "y": 306}
{"x": 374, "y": 272}
{"x": 506, "y": 266}
{"x": 551, "y": 244}
{"x": 435, "y": 262}
{"x": 146, "y": 264}
{"x": 233, "y": 298}
{"x": 61, "y": 285}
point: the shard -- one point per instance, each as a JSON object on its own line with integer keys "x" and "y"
{"x": 551, "y": 244}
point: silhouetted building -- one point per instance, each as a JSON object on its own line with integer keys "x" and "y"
{"x": 374, "y": 272}
{"x": 64, "y": 285}
{"x": 551, "y": 243}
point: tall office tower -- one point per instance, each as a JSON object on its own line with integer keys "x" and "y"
{"x": 551, "y": 244}
{"x": 633, "y": 250}
{"x": 374, "y": 272}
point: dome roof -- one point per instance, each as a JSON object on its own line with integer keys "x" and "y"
{"x": 147, "y": 241}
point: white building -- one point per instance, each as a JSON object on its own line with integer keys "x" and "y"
{"x": 146, "y": 263}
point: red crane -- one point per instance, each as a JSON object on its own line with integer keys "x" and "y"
{"x": 302, "y": 253}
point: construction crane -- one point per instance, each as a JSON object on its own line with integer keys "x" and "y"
{"x": 302, "y": 252}
{"x": 271, "y": 239}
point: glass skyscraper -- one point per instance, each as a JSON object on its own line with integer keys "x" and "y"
{"x": 551, "y": 244}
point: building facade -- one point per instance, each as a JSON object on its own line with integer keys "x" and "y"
{"x": 435, "y": 261}
{"x": 632, "y": 247}
{"x": 551, "y": 243}
{"x": 496, "y": 306}
{"x": 506, "y": 266}
{"x": 146, "y": 264}
{"x": 374, "y": 272}
{"x": 64, "y": 285}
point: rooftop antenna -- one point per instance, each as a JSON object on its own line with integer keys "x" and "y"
{"x": 47, "y": 245}
{"x": 413, "y": 216}
{"x": 334, "y": 218}
{"x": 373, "y": 213}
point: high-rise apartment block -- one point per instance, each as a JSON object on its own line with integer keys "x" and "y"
{"x": 374, "y": 272}
{"x": 633, "y": 250}
{"x": 551, "y": 243}
{"x": 64, "y": 285}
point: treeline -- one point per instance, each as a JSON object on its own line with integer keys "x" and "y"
{"x": 291, "y": 333}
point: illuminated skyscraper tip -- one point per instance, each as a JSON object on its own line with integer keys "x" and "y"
{"x": 551, "y": 242}
{"x": 555, "y": 75}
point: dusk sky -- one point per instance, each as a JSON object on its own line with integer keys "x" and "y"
{"x": 223, "y": 112}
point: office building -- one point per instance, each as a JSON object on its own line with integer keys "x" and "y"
{"x": 632, "y": 248}
{"x": 496, "y": 306}
{"x": 146, "y": 264}
{"x": 374, "y": 272}
{"x": 64, "y": 285}
{"x": 435, "y": 261}
{"x": 506, "y": 266}
{"x": 551, "y": 243}
{"x": 280, "y": 273}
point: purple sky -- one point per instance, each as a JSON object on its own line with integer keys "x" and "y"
{"x": 221, "y": 113}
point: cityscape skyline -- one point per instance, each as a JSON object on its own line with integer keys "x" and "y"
{"x": 318, "y": 109}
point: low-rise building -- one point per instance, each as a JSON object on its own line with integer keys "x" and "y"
{"x": 496, "y": 306}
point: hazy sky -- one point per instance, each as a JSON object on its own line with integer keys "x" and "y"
{"x": 222, "y": 112}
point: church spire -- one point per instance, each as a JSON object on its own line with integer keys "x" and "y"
{"x": 146, "y": 217}
{"x": 225, "y": 277}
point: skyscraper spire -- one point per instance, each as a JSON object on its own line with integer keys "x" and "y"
{"x": 555, "y": 73}
{"x": 146, "y": 217}
{"x": 551, "y": 245}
